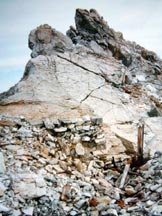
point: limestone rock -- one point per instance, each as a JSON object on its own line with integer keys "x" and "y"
{"x": 61, "y": 129}
{"x": 127, "y": 133}
{"x": 2, "y": 164}
{"x": 153, "y": 134}
{"x": 29, "y": 185}
{"x": 2, "y": 189}
{"x": 79, "y": 148}
{"x": 48, "y": 124}
{"x": 4, "y": 209}
{"x": 39, "y": 96}
{"x": 28, "y": 211}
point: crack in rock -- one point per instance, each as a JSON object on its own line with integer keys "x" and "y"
{"x": 84, "y": 68}
{"x": 86, "y": 97}
{"x": 102, "y": 99}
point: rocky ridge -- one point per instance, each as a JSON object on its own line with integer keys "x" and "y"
{"x": 72, "y": 82}
{"x": 96, "y": 72}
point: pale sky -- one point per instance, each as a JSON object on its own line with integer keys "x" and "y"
{"x": 138, "y": 20}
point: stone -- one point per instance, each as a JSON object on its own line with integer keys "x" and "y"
{"x": 63, "y": 165}
{"x": 86, "y": 118}
{"x": 60, "y": 130}
{"x": 79, "y": 128}
{"x": 159, "y": 190}
{"x": 2, "y": 189}
{"x": 86, "y": 139}
{"x": 149, "y": 203}
{"x": 80, "y": 204}
{"x": 102, "y": 207}
{"x": 29, "y": 190}
{"x": 100, "y": 141}
{"x": 133, "y": 209}
{"x": 2, "y": 164}
{"x": 114, "y": 193}
{"x": 58, "y": 168}
{"x": 111, "y": 212}
{"x": 130, "y": 190}
{"x": 100, "y": 136}
{"x": 80, "y": 150}
{"x": 154, "y": 187}
{"x": 29, "y": 186}
{"x": 48, "y": 124}
{"x": 96, "y": 120}
{"x": 71, "y": 126}
{"x": 156, "y": 210}
{"x": 127, "y": 134}
{"x": 4, "y": 209}
{"x": 37, "y": 123}
{"x": 153, "y": 134}
{"x": 5, "y": 122}
{"x": 86, "y": 128}
{"x": 81, "y": 167}
{"x": 146, "y": 166}
{"x": 16, "y": 213}
{"x": 67, "y": 121}
{"x": 78, "y": 121}
{"x": 104, "y": 199}
{"x": 24, "y": 132}
{"x": 94, "y": 213}
{"x": 73, "y": 213}
{"x": 66, "y": 192}
{"x": 28, "y": 211}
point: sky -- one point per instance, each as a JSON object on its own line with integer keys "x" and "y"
{"x": 138, "y": 20}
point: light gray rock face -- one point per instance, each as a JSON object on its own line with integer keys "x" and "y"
{"x": 40, "y": 89}
{"x": 73, "y": 83}
{"x": 127, "y": 133}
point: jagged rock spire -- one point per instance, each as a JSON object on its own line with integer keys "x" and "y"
{"x": 93, "y": 31}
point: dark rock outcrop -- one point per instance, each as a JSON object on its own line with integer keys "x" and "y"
{"x": 92, "y": 28}
{"x": 45, "y": 40}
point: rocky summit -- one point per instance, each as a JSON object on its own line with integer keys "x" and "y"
{"x": 68, "y": 128}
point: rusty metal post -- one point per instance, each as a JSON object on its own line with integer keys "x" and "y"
{"x": 140, "y": 143}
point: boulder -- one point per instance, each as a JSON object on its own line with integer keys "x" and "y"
{"x": 2, "y": 164}
{"x": 29, "y": 185}
{"x": 45, "y": 40}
